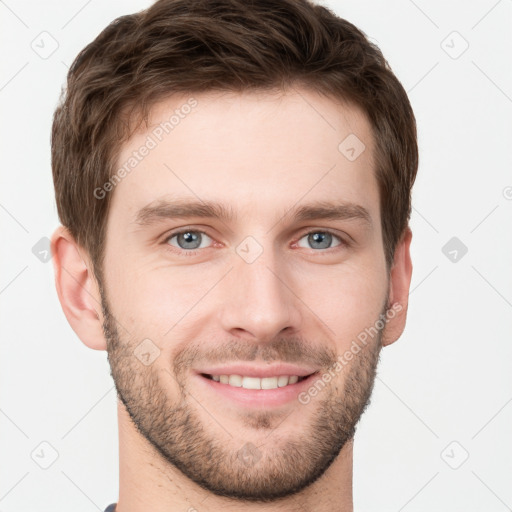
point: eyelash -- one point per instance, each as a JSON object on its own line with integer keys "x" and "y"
{"x": 194, "y": 252}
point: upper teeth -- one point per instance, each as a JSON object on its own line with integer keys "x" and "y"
{"x": 255, "y": 382}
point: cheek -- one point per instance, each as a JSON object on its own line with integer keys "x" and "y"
{"x": 153, "y": 300}
{"x": 348, "y": 299}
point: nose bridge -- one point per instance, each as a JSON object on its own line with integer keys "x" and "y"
{"x": 259, "y": 300}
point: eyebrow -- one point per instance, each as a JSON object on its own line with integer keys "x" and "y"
{"x": 183, "y": 209}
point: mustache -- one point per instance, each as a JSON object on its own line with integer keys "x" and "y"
{"x": 286, "y": 350}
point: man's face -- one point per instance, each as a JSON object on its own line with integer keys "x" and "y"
{"x": 246, "y": 295}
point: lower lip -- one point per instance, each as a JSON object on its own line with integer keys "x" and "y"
{"x": 258, "y": 397}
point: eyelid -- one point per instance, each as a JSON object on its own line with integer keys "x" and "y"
{"x": 338, "y": 234}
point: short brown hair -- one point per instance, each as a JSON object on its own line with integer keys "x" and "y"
{"x": 193, "y": 46}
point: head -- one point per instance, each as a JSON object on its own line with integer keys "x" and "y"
{"x": 297, "y": 145}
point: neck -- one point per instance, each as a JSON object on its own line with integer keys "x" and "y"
{"x": 148, "y": 482}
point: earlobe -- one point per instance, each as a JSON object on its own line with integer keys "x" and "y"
{"x": 400, "y": 281}
{"x": 77, "y": 289}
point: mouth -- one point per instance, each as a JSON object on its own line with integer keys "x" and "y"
{"x": 250, "y": 391}
{"x": 248, "y": 382}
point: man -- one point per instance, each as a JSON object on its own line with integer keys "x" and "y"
{"x": 234, "y": 183}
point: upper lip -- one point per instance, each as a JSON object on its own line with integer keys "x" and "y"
{"x": 269, "y": 370}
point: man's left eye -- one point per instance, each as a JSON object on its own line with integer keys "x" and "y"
{"x": 320, "y": 239}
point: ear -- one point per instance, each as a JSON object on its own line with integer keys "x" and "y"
{"x": 399, "y": 283}
{"x": 77, "y": 289}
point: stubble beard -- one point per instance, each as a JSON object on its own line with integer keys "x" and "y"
{"x": 272, "y": 467}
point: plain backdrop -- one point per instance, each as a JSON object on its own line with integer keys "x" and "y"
{"x": 437, "y": 435}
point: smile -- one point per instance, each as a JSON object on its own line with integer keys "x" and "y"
{"x": 241, "y": 381}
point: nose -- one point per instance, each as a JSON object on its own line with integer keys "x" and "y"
{"x": 259, "y": 302}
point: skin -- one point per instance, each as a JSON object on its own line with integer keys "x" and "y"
{"x": 299, "y": 301}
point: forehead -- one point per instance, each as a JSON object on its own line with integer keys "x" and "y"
{"x": 253, "y": 151}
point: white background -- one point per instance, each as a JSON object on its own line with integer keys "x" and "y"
{"x": 447, "y": 379}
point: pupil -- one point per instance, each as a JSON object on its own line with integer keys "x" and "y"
{"x": 322, "y": 238}
{"x": 190, "y": 238}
